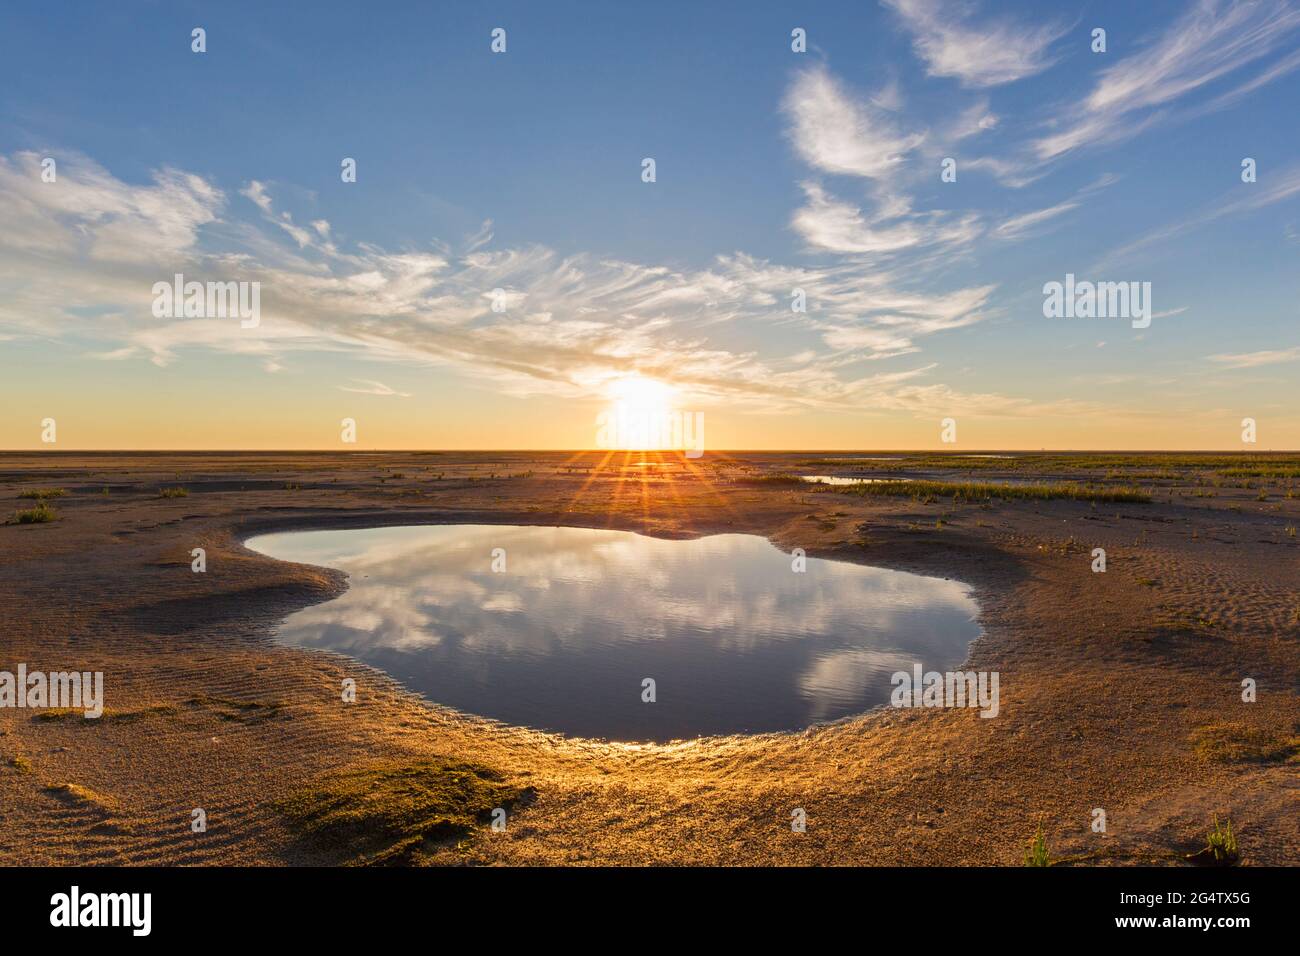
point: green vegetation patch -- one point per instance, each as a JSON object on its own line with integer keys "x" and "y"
{"x": 241, "y": 711}
{"x": 109, "y": 716}
{"x": 981, "y": 490}
{"x": 1036, "y": 853}
{"x": 41, "y": 514}
{"x": 1222, "y": 842}
{"x": 173, "y": 492}
{"x": 384, "y": 813}
{"x": 1239, "y": 743}
{"x": 1036, "y": 462}
{"x": 1220, "y": 847}
{"x": 780, "y": 479}
{"x": 1276, "y": 471}
{"x": 43, "y": 494}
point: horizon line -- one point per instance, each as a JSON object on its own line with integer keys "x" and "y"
{"x": 636, "y": 451}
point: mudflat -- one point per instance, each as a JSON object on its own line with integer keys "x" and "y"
{"x": 1120, "y": 691}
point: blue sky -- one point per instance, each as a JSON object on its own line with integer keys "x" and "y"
{"x": 775, "y": 170}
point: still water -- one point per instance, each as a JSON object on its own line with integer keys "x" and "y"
{"x": 843, "y": 480}
{"x": 564, "y": 636}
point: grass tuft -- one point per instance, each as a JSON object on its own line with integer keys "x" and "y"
{"x": 41, "y": 514}
{"x": 1220, "y": 847}
{"x": 1222, "y": 843}
{"x": 173, "y": 492}
{"x": 1036, "y": 850}
{"x": 385, "y": 813}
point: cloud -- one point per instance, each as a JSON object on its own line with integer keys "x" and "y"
{"x": 976, "y": 55}
{"x": 1211, "y": 40}
{"x": 1013, "y": 171}
{"x": 1256, "y": 359}
{"x": 836, "y": 133}
{"x": 878, "y": 342}
{"x": 572, "y": 323}
{"x": 1028, "y": 223}
{"x": 481, "y": 238}
{"x": 371, "y": 387}
{"x": 88, "y": 214}
{"x": 257, "y": 194}
{"x": 1244, "y": 198}
{"x": 826, "y": 223}
{"x": 972, "y": 121}
{"x": 261, "y": 197}
{"x": 1017, "y": 226}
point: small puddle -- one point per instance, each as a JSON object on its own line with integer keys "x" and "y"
{"x": 843, "y": 480}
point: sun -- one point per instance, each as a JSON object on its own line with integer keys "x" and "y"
{"x": 642, "y": 409}
{"x": 638, "y": 393}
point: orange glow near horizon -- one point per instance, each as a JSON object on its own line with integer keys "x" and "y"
{"x": 117, "y": 406}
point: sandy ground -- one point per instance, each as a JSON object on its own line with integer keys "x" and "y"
{"x": 1107, "y": 680}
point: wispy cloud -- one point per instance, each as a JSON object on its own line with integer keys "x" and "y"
{"x": 977, "y": 54}
{"x": 260, "y": 196}
{"x": 1257, "y": 359}
{"x": 827, "y": 223}
{"x": 835, "y": 132}
{"x": 571, "y": 324}
{"x": 1243, "y": 198}
{"x": 1018, "y": 226}
{"x": 94, "y": 216}
{"x": 1211, "y": 40}
{"x": 1028, "y": 224}
{"x": 975, "y": 119}
{"x": 481, "y": 238}
{"x": 367, "y": 386}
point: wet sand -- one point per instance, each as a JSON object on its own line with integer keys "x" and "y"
{"x": 1119, "y": 691}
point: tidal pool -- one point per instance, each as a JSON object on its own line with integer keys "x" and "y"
{"x": 564, "y": 634}
{"x": 843, "y": 480}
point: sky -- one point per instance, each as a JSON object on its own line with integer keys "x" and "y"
{"x": 500, "y": 269}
